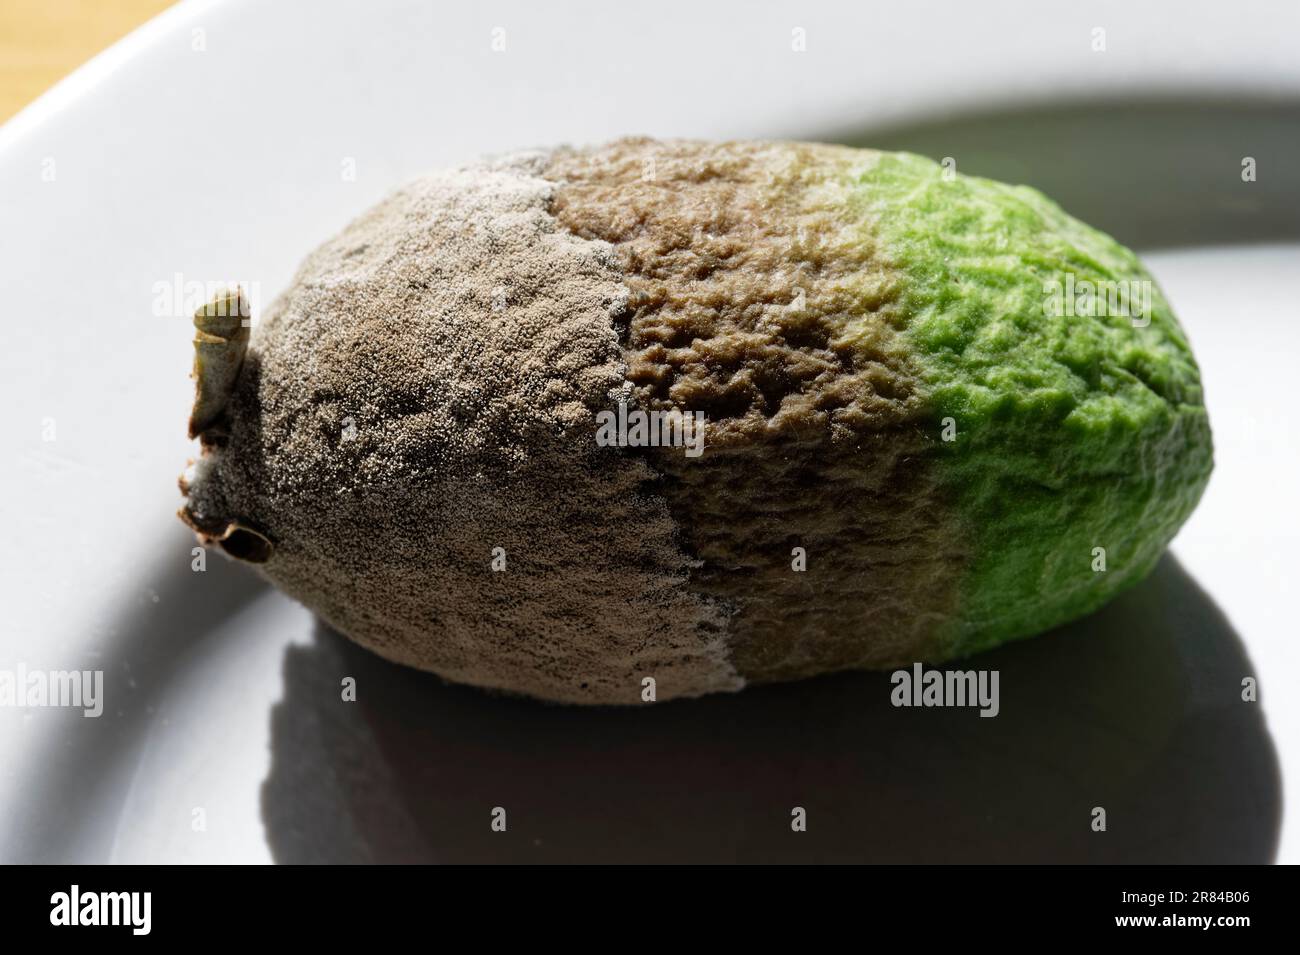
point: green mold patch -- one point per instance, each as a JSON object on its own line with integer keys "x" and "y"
{"x": 1072, "y": 399}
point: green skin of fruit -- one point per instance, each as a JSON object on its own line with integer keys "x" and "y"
{"x": 1072, "y": 433}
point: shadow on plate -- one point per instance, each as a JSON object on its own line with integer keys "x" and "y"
{"x": 1153, "y": 173}
{"x": 84, "y": 767}
{"x": 1137, "y": 710}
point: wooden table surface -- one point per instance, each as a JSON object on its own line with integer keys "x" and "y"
{"x": 42, "y": 41}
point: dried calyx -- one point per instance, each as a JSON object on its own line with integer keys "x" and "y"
{"x": 220, "y": 342}
{"x": 221, "y": 333}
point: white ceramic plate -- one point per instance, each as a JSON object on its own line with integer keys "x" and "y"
{"x": 218, "y": 143}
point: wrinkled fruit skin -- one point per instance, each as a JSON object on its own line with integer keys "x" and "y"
{"x": 924, "y": 435}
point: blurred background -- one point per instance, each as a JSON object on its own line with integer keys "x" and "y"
{"x": 42, "y": 41}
